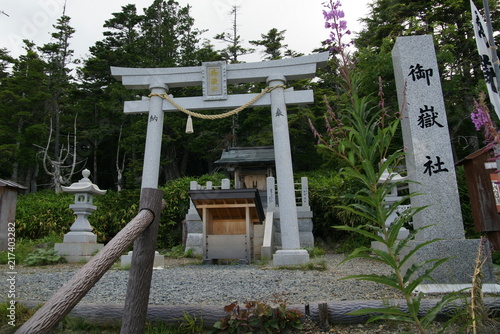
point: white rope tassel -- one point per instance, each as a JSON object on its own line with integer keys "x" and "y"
{"x": 189, "y": 125}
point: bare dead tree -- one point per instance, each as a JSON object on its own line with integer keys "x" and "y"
{"x": 62, "y": 167}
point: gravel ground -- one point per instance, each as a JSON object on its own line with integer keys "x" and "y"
{"x": 186, "y": 282}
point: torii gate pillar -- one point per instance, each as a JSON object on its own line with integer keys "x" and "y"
{"x": 290, "y": 254}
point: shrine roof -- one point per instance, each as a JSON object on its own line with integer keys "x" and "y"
{"x": 247, "y": 155}
{"x": 229, "y": 203}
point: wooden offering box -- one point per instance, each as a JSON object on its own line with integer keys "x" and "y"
{"x": 228, "y": 218}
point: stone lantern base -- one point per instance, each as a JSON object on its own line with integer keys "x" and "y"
{"x": 78, "y": 246}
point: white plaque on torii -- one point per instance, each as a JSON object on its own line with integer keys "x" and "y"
{"x": 213, "y": 77}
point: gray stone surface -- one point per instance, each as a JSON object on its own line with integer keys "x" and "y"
{"x": 284, "y": 169}
{"x": 85, "y": 237}
{"x": 194, "y": 226}
{"x": 290, "y": 257}
{"x": 459, "y": 268}
{"x": 126, "y": 260}
{"x": 195, "y": 242}
{"x": 425, "y": 131}
{"x": 77, "y": 251}
{"x": 306, "y": 239}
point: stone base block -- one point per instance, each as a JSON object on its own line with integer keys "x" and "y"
{"x": 459, "y": 268}
{"x": 77, "y": 251}
{"x": 195, "y": 242}
{"x": 126, "y": 260}
{"x": 290, "y": 257}
{"x": 447, "y": 288}
{"x": 81, "y": 237}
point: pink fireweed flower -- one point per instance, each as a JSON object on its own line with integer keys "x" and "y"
{"x": 338, "y": 27}
{"x": 480, "y": 116}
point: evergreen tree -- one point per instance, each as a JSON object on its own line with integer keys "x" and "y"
{"x": 272, "y": 43}
{"x": 100, "y": 100}
{"x": 234, "y": 48}
{"x": 23, "y": 96}
{"x": 450, "y": 24}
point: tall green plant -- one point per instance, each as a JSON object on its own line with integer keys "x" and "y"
{"x": 362, "y": 136}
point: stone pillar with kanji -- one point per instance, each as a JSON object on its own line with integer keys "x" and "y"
{"x": 430, "y": 164}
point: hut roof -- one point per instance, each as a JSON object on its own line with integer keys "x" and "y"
{"x": 10, "y": 184}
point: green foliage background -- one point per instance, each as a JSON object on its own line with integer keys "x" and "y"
{"x": 45, "y": 213}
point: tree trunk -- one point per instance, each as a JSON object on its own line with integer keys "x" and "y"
{"x": 140, "y": 275}
{"x": 95, "y": 162}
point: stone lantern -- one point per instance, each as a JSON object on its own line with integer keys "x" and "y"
{"x": 80, "y": 244}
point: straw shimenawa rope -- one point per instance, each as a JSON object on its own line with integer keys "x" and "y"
{"x": 217, "y": 116}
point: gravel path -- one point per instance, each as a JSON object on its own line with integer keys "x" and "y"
{"x": 183, "y": 282}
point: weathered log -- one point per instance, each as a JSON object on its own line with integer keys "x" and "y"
{"x": 338, "y": 310}
{"x": 65, "y": 299}
{"x": 141, "y": 272}
{"x": 111, "y": 314}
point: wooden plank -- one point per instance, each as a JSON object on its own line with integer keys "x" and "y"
{"x": 226, "y": 227}
{"x": 249, "y": 233}
{"x": 196, "y": 103}
{"x": 226, "y": 247}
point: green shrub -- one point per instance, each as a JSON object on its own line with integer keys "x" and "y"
{"x": 45, "y": 213}
{"x": 43, "y": 257}
{"x": 465, "y": 205}
{"x": 114, "y": 210}
{"x": 24, "y": 247}
{"x": 39, "y": 214}
{"x": 495, "y": 257}
{"x": 315, "y": 252}
{"x": 22, "y": 314}
{"x": 178, "y": 252}
{"x": 326, "y": 193}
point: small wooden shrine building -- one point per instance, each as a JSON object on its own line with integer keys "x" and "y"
{"x": 8, "y": 200}
{"x": 242, "y": 221}
{"x": 228, "y": 217}
{"x": 484, "y": 192}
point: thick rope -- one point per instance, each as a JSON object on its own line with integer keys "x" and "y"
{"x": 217, "y": 116}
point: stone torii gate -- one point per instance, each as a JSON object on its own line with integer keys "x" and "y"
{"x": 214, "y": 77}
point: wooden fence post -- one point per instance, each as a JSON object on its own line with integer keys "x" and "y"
{"x": 141, "y": 272}
{"x": 66, "y": 298}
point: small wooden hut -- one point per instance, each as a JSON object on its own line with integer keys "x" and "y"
{"x": 8, "y": 200}
{"x": 484, "y": 193}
